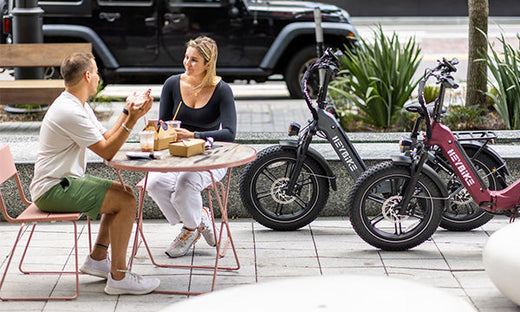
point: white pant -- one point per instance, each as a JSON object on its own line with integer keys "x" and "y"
{"x": 178, "y": 194}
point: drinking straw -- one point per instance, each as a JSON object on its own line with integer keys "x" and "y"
{"x": 178, "y": 107}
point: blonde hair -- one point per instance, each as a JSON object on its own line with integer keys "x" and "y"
{"x": 207, "y": 48}
{"x": 74, "y": 67}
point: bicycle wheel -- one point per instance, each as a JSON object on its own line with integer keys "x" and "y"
{"x": 262, "y": 190}
{"x": 462, "y": 213}
{"x": 376, "y": 215}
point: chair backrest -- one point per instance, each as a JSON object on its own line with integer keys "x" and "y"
{"x": 7, "y": 171}
{"x": 7, "y": 167}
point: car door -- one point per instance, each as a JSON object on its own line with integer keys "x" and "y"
{"x": 187, "y": 19}
{"x": 129, "y": 29}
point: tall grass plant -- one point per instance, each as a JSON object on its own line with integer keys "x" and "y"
{"x": 505, "y": 69}
{"x": 378, "y": 77}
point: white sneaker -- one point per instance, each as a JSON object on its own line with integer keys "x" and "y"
{"x": 131, "y": 284}
{"x": 99, "y": 268}
{"x": 206, "y": 228}
{"x": 182, "y": 243}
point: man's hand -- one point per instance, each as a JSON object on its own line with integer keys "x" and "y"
{"x": 139, "y": 104}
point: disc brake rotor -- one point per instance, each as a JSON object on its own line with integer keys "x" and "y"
{"x": 389, "y": 212}
{"x": 278, "y": 191}
{"x": 462, "y": 197}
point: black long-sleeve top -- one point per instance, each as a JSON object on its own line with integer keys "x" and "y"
{"x": 216, "y": 119}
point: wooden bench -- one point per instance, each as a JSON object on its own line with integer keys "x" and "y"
{"x": 34, "y": 91}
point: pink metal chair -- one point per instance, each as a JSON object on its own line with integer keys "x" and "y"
{"x": 33, "y": 215}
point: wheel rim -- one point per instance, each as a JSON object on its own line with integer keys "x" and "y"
{"x": 380, "y": 197}
{"x": 267, "y": 191}
{"x": 461, "y": 207}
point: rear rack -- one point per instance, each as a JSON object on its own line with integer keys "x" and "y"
{"x": 475, "y": 135}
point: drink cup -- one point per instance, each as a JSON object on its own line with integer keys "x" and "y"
{"x": 146, "y": 139}
{"x": 174, "y": 124}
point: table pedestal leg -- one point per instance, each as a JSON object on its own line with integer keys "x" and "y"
{"x": 221, "y": 195}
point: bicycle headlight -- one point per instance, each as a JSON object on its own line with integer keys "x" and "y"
{"x": 294, "y": 128}
{"x": 405, "y": 144}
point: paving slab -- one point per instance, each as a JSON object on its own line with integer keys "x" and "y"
{"x": 450, "y": 261}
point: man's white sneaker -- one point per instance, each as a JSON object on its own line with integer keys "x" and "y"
{"x": 182, "y": 243}
{"x": 99, "y": 268}
{"x": 131, "y": 284}
{"x": 206, "y": 228}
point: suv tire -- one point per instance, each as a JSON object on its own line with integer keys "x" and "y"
{"x": 295, "y": 70}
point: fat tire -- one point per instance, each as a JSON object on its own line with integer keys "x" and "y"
{"x": 460, "y": 221}
{"x": 377, "y": 237}
{"x": 258, "y": 180}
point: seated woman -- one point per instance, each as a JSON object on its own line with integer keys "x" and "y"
{"x": 207, "y": 109}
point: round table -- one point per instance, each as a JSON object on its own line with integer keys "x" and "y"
{"x": 222, "y": 155}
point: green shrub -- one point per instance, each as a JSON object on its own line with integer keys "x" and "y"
{"x": 505, "y": 91}
{"x": 381, "y": 77}
{"x": 431, "y": 93}
{"x": 461, "y": 117}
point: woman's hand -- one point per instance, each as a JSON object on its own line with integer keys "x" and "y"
{"x": 183, "y": 134}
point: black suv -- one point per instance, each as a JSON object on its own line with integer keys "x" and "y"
{"x": 144, "y": 40}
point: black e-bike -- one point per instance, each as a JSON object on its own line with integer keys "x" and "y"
{"x": 287, "y": 186}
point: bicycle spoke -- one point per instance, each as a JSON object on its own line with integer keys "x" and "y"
{"x": 379, "y": 218}
{"x": 300, "y": 202}
{"x": 272, "y": 177}
{"x": 278, "y": 210}
{"x": 263, "y": 194}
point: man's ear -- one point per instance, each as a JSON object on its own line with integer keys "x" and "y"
{"x": 88, "y": 76}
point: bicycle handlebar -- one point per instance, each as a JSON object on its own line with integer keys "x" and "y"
{"x": 443, "y": 74}
{"x": 328, "y": 61}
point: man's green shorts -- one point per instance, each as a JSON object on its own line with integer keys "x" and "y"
{"x": 84, "y": 195}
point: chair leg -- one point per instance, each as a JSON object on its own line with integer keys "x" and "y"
{"x": 75, "y": 272}
{"x": 89, "y": 235}
{"x": 11, "y": 258}
{"x": 25, "y": 249}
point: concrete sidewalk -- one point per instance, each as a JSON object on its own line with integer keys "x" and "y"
{"x": 450, "y": 261}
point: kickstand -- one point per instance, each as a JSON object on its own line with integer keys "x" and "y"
{"x": 514, "y": 212}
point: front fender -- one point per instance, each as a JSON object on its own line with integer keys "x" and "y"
{"x": 315, "y": 155}
{"x": 426, "y": 170}
{"x": 86, "y": 34}
{"x": 293, "y": 30}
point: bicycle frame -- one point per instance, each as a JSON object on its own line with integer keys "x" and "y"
{"x": 326, "y": 123}
{"x": 505, "y": 199}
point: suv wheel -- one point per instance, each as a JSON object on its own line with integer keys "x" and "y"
{"x": 294, "y": 71}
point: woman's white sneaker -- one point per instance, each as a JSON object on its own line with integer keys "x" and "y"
{"x": 131, "y": 284}
{"x": 206, "y": 228}
{"x": 182, "y": 243}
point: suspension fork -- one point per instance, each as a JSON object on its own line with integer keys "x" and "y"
{"x": 415, "y": 172}
{"x": 301, "y": 151}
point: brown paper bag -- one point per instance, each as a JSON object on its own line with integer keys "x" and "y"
{"x": 187, "y": 147}
{"x": 163, "y": 134}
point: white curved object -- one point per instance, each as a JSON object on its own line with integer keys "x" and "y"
{"x": 327, "y": 293}
{"x": 501, "y": 257}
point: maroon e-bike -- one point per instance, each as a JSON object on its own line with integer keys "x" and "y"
{"x": 398, "y": 204}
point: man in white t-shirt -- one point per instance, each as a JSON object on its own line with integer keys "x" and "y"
{"x": 61, "y": 185}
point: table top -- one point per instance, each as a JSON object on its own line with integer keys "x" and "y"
{"x": 225, "y": 155}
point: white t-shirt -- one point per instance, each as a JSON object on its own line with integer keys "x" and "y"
{"x": 68, "y": 128}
